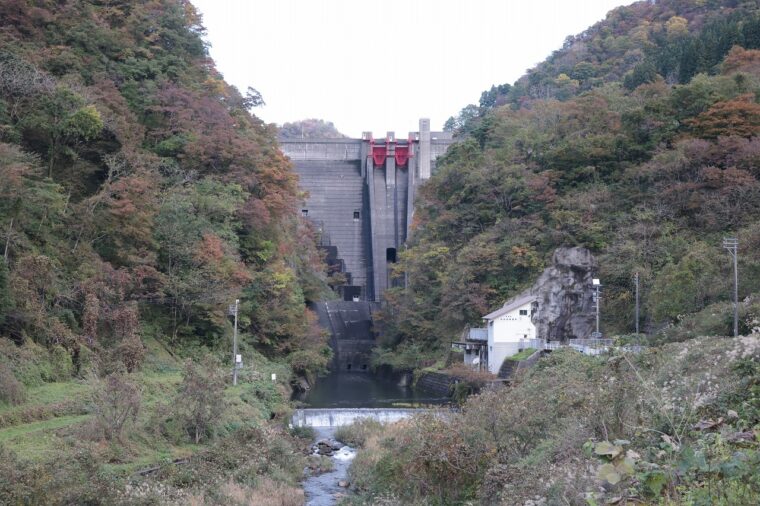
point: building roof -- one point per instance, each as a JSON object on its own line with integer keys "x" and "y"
{"x": 477, "y": 334}
{"x": 511, "y": 305}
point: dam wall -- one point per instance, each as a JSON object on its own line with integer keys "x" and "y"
{"x": 359, "y": 194}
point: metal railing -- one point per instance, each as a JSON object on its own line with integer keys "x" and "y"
{"x": 585, "y": 346}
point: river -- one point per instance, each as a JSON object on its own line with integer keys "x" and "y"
{"x": 339, "y": 399}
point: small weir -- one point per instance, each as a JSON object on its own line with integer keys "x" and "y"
{"x": 338, "y": 417}
{"x": 325, "y": 489}
{"x": 340, "y": 399}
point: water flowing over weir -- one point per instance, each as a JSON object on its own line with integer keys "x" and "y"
{"x": 339, "y": 399}
{"x": 346, "y": 416}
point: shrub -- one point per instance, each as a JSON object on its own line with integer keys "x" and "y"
{"x": 85, "y": 361}
{"x": 303, "y": 432}
{"x": 12, "y": 391}
{"x": 67, "y": 478}
{"x": 131, "y": 352}
{"x": 359, "y": 432}
{"x": 30, "y": 363}
{"x": 61, "y": 364}
{"x": 310, "y": 363}
{"x": 247, "y": 454}
{"x": 425, "y": 458}
{"x": 200, "y": 398}
{"x": 116, "y": 402}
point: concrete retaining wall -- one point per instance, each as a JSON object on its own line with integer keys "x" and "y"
{"x": 529, "y": 362}
{"x": 437, "y": 383}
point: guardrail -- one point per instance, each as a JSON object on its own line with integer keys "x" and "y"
{"x": 585, "y": 346}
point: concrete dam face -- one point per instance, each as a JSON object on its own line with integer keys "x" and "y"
{"x": 360, "y": 198}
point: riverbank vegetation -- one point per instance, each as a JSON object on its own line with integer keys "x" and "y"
{"x": 672, "y": 425}
{"x": 139, "y": 197}
{"x": 171, "y": 432}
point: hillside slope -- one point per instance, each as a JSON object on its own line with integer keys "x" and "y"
{"x": 676, "y": 425}
{"x": 649, "y": 177}
{"x": 139, "y": 197}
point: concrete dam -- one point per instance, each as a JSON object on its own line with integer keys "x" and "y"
{"x": 360, "y": 197}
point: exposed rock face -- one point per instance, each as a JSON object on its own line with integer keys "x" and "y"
{"x": 565, "y": 296}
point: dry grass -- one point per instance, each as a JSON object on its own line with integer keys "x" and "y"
{"x": 469, "y": 374}
{"x": 267, "y": 493}
{"x": 359, "y": 432}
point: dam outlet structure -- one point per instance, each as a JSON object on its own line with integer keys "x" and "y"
{"x": 360, "y": 197}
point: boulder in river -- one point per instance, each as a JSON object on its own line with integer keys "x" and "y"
{"x": 327, "y": 446}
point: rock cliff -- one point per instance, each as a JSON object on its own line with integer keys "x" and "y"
{"x": 565, "y": 296}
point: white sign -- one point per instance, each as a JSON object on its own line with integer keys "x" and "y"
{"x": 274, "y": 377}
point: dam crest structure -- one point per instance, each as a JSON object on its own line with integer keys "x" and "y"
{"x": 360, "y": 197}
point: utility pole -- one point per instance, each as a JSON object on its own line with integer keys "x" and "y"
{"x": 731, "y": 244}
{"x": 597, "y": 285}
{"x": 233, "y": 310}
{"x": 636, "y": 279}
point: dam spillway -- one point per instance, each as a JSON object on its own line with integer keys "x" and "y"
{"x": 360, "y": 198}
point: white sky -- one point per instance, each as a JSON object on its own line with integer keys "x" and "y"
{"x": 381, "y": 65}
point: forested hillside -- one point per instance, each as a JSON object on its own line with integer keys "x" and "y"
{"x": 310, "y": 129}
{"x": 139, "y": 197}
{"x": 139, "y": 194}
{"x": 639, "y": 140}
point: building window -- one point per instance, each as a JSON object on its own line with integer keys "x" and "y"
{"x": 304, "y": 212}
{"x": 356, "y": 215}
{"x": 523, "y": 312}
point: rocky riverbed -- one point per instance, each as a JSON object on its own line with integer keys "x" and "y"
{"x": 324, "y": 486}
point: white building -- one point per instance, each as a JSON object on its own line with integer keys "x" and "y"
{"x": 507, "y": 326}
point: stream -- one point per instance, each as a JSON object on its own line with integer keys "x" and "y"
{"x": 340, "y": 398}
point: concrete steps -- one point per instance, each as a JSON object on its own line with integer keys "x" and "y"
{"x": 507, "y": 369}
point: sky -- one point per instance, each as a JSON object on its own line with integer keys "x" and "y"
{"x": 380, "y": 66}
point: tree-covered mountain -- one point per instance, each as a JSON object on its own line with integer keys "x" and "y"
{"x": 137, "y": 185}
{"x": 650, "y": 161}
{"x": 639, "y": 43}
{"x": 310, "y": 129}
{"x": 139, "y": 197}
{"x": 648, "y": 173}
